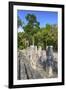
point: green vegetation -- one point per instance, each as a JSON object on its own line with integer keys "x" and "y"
{"x": 33, "y": 34}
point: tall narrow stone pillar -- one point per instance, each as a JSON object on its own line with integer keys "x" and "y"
{"x": 39, "y": 51}
{"x": 49, "y": 53}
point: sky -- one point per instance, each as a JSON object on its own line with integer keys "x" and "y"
{"x": 43, "y": 17}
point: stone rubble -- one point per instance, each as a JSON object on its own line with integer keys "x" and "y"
{"x": 35, "y": 63}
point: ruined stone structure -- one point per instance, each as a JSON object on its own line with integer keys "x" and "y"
{"x": 35, "y": 63}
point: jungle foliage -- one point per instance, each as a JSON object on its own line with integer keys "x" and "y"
{"x": 33, "y": 34}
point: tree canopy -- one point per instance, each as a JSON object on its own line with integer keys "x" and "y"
{"x": 34, "y": 34}
{"x": 19, "y": 22}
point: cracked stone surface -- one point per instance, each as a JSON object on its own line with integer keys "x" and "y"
{"x": 35, "y": 68}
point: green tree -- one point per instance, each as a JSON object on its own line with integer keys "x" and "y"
{"x": 50, "y": 36}
{"x": 19, "y": 22}
{"x": 33, "y": 34}
{"x": 31, "y": 28}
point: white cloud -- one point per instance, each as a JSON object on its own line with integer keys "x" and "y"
{"x": 20, "y": 29}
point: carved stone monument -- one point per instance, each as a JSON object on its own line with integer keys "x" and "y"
{"x": 49, "y": 62}
{"x": 39, "y": 51}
